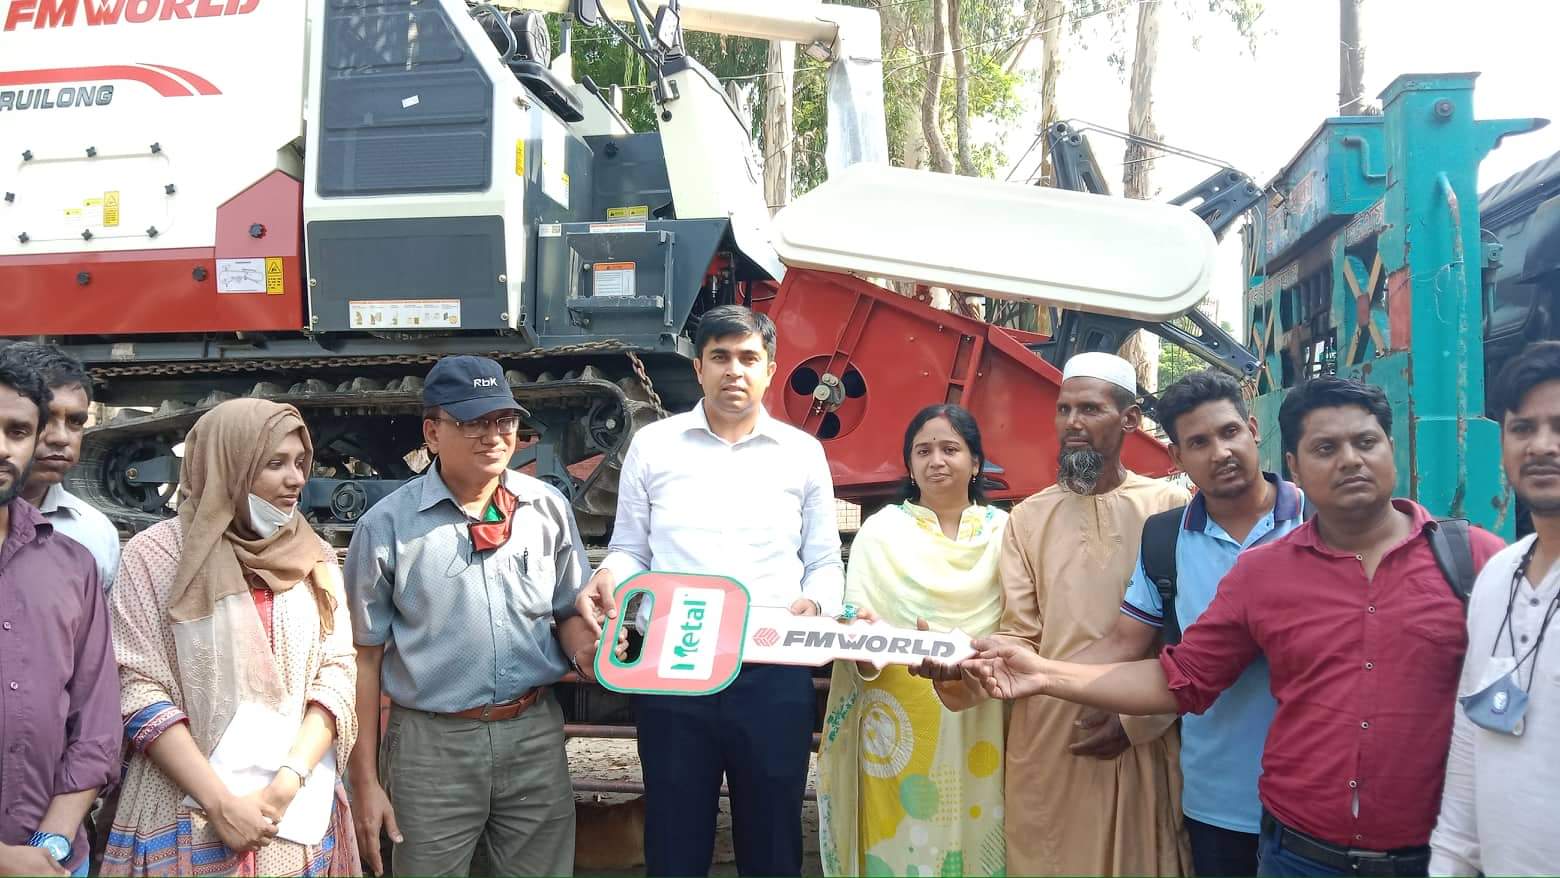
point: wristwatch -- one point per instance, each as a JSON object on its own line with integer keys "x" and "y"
{"x": 54, "y": 844}
{"x": 303, "y": 776}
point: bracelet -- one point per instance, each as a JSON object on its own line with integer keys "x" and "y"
{"x": 303, "y": 776}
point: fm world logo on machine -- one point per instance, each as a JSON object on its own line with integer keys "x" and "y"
{"x": 95, "y": 13}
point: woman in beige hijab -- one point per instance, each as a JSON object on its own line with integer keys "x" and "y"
{"x": 236, "y": 667}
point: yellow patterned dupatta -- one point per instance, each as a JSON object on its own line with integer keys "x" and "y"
{"x": 906, "y": 787}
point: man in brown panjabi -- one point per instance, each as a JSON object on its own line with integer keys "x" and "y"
{"x": 1087, "y": 793}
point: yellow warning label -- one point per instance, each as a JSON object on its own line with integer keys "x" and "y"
{"x": 110, "y": 209}
{"x": 274, "y": 285}
{"x": 632, "y": 212}
{"x": 519, "y": 158}
{"x": 72, "y": 213}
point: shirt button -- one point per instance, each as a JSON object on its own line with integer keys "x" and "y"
{"x": 1359, "y": 557}
{"x": 1365, "y": 725}
{"x": 1354, "y": 784}
{"x": 1524, "y": 638}
{"x": 7, "y": 626}
{"x": 1357, "y": 837}
{"x": 1370, "y": 609}
{"x": 1370, "y": 666}
{"x": 14, "y": 687}
{"x": 1533, "y": 603}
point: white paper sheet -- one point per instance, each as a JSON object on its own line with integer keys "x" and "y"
{"x": 252, "y": 751}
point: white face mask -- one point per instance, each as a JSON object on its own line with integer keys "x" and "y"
{"x": 267, "y": 519}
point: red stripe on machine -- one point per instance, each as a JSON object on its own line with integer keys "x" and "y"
{"x": 162, "y": 83}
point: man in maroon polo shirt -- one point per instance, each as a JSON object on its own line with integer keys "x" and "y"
{"x": 1365, "y": 638}
{"x": 59, "y": 686}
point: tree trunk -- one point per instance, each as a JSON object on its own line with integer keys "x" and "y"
{"x": 900, "y": 32}
{"x": 778, "y": 124}
{"x": 1351, "y": 59}
{"x": 1138, "y": 165}
{"x": 931, "y": 99}
{"x": 961, "y": 90}
{"x": 1140, "y": 348}
{"x": 1051, "y": 12}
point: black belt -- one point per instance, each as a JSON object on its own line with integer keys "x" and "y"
{"x": 1350, "y": 861}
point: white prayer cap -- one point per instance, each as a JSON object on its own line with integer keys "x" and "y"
{"x": 1106, "y": 367}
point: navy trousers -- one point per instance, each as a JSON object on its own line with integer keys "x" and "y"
{"x": 1217, "y": 851}
{"x": 758, "y": 734}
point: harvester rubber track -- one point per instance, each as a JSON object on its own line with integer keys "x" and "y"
{"x": 365, "y": 428}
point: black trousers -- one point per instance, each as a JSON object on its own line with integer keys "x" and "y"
{"x": 758, "y": 734}
{"x": 1217, "y": 851}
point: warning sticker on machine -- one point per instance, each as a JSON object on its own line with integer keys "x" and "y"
{"x": 555, "y": 171}
{"x": 613, "y": 279}
{"x": 110, "y": 209}
{"x": 241, "y": 275}
{"x": 614, "y": 228}
{"x": 275, "y": 281}
{"x": 405, "y": 314}
{"x": 633, "y": 212}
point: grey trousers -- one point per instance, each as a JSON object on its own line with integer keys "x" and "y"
{"x": 455, "y": 784}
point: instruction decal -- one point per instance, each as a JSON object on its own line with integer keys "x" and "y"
{"x": 241, "y": 275}
{"x": 404, "y": 314}
{"x": 613, "y": 279}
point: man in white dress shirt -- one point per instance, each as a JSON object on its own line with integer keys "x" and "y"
{"x": 1502, "y": 775}
{"x": 726, "y": 489}
{"x": 59, "y": 448}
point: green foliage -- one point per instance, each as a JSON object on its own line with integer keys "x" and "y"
{"x": 1175, "y": 361}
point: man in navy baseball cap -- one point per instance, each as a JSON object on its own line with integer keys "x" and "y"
{"x": 467, "y": 388}
{"x": 462, "y": 585}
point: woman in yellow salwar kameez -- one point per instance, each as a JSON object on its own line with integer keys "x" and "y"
{"x": 907, "y": 787}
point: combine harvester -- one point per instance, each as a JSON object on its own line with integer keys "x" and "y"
{"x": 311, "y": 202}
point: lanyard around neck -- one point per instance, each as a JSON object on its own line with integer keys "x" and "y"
{"x": 1509, "y": 630}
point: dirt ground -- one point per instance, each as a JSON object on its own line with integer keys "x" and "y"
{"x": 616, "y": 760}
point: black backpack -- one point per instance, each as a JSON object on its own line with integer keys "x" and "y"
{"x": 1448, "y": 537}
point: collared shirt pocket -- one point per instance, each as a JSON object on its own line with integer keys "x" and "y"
{"x": 534, "y": 572}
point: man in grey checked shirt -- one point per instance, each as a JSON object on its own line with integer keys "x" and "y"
{"x": 455, "y": 581}
{"x": 726, "y": 489}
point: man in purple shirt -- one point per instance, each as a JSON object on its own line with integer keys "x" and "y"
{"x": 59, "y": 687}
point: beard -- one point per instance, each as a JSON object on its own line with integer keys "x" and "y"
{"x": 1543, "y": 507}
{"x": 18, "y": 481}
{"x": 1079, "y": 469}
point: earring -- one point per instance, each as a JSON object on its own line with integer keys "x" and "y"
{"x": 912, "y": 480}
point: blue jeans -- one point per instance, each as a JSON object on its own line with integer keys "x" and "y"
{"x": 1275, "y": 862}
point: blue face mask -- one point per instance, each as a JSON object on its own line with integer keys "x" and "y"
{"x": 1500, "y": 704}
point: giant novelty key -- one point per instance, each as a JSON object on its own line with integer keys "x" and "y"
{"x": 702, "y": 629}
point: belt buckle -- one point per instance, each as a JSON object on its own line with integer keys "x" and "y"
{"x": 1372, "y": 858}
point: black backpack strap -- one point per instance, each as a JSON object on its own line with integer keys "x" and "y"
{"x": 1160, "y": 533}
{"x": 1453, "y": 550}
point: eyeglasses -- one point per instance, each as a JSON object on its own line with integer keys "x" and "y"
{"x": 506, "y": 426}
